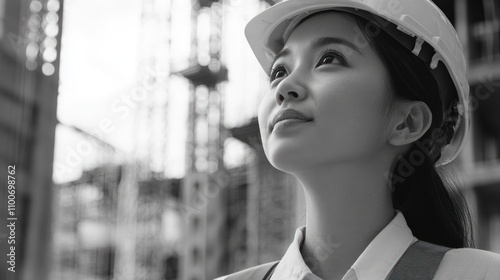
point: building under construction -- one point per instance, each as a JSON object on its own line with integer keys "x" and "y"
{"x": 263, "y": 206}
{"x": 233, "y": 218}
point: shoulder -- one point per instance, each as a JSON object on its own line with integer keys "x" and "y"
{"x": 469, "y": 263}
{"x": 255, "y": 272}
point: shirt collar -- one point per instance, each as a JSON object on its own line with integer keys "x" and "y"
{"x": 376, "y": 261}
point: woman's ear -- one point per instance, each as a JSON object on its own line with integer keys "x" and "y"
{"x": 411, "y": 121}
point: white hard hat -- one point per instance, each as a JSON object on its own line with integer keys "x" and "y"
{"x": 268, "y": 31}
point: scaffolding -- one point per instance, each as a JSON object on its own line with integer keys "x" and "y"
{"x": 140, "y": 253}
{"x": 203, "y": 258}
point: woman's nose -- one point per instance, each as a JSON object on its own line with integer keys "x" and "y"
{"x": 290, "y": 89}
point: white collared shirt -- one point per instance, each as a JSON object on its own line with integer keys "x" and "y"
{"x": 381, "y": 255}
{"x": 376, "y": 261}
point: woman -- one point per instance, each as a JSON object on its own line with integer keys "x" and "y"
{"x": 366, "y": 99}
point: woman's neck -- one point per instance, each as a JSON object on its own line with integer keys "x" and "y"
{"x": 346, "y": 207}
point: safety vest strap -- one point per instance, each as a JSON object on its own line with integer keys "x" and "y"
{"x": 420, "y": 261}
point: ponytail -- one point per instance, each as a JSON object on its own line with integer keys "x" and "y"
{"x": 434, "y": 212}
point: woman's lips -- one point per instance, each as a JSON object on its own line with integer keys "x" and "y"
{"x": 289, "y": 116}
{"x": 287, "y": 123}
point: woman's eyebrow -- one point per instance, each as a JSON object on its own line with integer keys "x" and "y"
{"x": 324, "y": 41}
{"x": 282, "y": 53}
{"x": 319, "y": 43}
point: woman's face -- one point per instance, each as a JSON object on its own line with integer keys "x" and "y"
{"x": 334, "y": 87}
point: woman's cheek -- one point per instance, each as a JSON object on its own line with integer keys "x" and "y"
{"x": 347, "y": 119}
{"x": 264, "y": 112}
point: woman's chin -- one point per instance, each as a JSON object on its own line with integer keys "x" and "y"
{"x": 287, "y": 161}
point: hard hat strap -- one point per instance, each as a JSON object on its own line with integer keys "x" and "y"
{"x": 442, "y": 136}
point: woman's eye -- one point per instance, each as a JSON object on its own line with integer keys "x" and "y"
{"x": 279, "y": 72}
{"x": 329, "y": 58}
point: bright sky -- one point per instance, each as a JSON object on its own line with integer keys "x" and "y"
{"x": 100, "y": 73}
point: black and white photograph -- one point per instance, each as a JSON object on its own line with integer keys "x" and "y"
{"x": 250, "y": 139}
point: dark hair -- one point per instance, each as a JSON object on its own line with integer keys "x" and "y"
{"x": 435, "y": 212}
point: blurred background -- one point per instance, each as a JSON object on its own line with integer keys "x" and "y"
{"x": 132, "y": 126}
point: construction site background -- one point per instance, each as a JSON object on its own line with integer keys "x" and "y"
{"x": 129, "y": 131}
